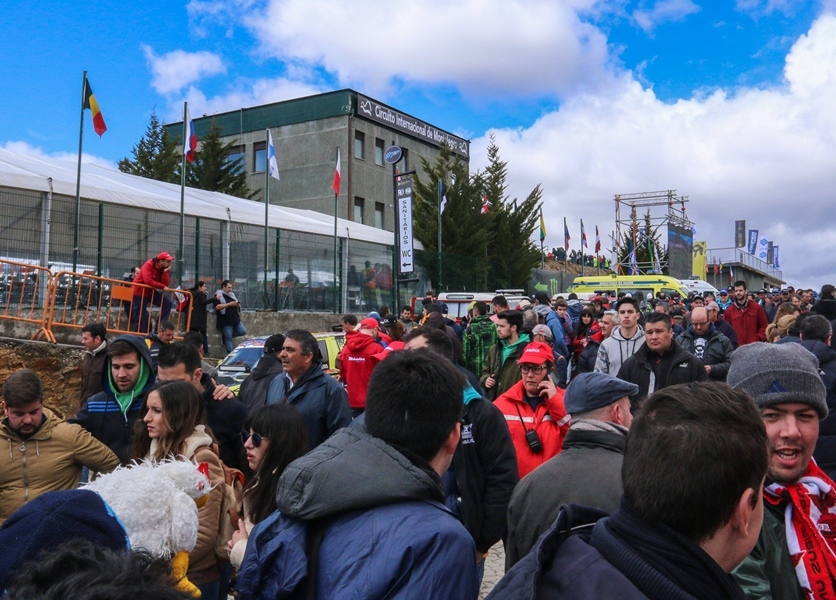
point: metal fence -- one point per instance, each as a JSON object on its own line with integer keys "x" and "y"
{"x": 37, "y": 228}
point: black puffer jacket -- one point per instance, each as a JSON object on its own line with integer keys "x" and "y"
{"x": 825, "y": 452}
{"x": 676, "y": 366}
{"x": 253, "y": 391}
{"x": 717, "y": 351}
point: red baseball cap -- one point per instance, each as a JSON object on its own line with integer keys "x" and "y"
{"x": 536, "y": 353}
{"x": 164, "y": 256}
{"x": 369, "y": 323}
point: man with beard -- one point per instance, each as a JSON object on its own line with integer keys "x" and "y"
{"x": 746, "y": 317}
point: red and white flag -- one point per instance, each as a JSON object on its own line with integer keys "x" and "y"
{"x": 336, "y": 185}
{"x": 485, "y": 205}
{"x": 597, "y": 242}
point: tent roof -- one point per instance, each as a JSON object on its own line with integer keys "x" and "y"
{"x": 101, "y": 184}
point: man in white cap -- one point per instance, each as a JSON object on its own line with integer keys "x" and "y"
{"x": 588, "y": 469}
{"x": 795, "y": 556}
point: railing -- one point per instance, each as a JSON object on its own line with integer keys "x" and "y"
{"x": 24, "y": 294}
{"x": 739, "y": 255}
{"x": 79, "y": 299}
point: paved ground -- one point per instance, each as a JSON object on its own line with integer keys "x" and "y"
{"x": 494, "y": 569}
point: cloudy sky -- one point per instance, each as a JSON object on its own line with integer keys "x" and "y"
{"x": 730, "y": 103}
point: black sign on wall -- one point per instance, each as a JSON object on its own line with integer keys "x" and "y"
{"x": 375, "y": 111}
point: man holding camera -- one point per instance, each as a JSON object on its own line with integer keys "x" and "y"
{"x": 533, "y": 409}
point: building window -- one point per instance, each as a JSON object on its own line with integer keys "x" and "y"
{"x": 259, "y": 157}
{"x": 359, "y": 145}
{"x": 378, "y": 215}
{"x": 359, "y": 205}
{"x": 236, "y": 157}
{"x": 378, "y": 151}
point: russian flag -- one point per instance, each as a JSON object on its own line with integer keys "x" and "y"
{"x": 190, "y": 144}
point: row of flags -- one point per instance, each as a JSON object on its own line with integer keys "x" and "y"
{"x": 568, "y": 238}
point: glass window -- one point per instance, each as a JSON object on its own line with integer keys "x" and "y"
{"x": 359, "y": 145}
{"x": 236, "y": 157}
{"x": 378, "y": 215}
{"x": 378, "y": 151}
{"x": 359, "y": 205}
{"x": 259, "y": 157}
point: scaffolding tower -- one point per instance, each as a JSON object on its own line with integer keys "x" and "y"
{"x": 629, "y": 204}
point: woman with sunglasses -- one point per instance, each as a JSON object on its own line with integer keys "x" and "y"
{"x": 172, "y": 426}
{"x": 273, "y": 436}
{"x": 533, "y": 409}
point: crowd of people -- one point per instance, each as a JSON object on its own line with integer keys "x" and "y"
{"x": 657, "y": 447}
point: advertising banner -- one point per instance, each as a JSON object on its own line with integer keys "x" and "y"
{"x": 740, "y": 234}
{"x": 698, "y": 266}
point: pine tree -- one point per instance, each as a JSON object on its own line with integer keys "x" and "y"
{"x": 512, "y": 254}
{"x": 212, "y": 169}
{"x": 464, "y": 237}
{"x": 156, "y": 156}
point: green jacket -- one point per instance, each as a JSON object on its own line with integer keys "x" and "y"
{"x": 478, "y": 338}
{"x": 506, "y": 372}
{"x": 768, "y": 573}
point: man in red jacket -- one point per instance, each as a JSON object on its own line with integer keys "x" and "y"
{"x": 533, "y": 409}
{"x": 748, "y": 319}
{"x": 356, "y": 363}
{"x": 154, "y": 273}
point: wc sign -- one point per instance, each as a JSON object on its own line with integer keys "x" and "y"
{"x": 406, "y": 259}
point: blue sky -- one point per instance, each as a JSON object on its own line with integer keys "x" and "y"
{"x": 723, "y": 101}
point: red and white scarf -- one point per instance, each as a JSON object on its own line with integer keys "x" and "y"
{"x": 810, "y": 521}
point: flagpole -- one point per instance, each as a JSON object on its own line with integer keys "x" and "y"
{"x": 542, "y": 239}
{"x": 180, "y": 258}
{"x": 440, "y": 194}
{"x": 78, "y": 175}
{"x": 267, "y": 212}
{"x": 582, "y": 260}
{"x": 336, "y": 198}
{"x": 565, "y": 248}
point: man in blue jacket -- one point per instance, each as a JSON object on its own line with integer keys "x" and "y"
{"x": 362, "y": 515}
{"x": 111, "y": 414}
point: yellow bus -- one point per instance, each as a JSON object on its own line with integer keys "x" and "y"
{"x": 639, "y": 286}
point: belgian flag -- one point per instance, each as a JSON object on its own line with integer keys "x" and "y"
{"x": 91, "y": 103}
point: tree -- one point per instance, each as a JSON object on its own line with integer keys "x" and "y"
{"x": 513, "y": 253}
{"x": 213, "y": 170}
{"x": 464, "y": 236}
{"x": 648, "y": 245}
{"x": 156, "y": 156}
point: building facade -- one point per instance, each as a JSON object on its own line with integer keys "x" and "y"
{"x": 307, "y": 132}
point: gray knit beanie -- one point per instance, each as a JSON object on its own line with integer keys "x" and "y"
{"x": 778, "y": 374}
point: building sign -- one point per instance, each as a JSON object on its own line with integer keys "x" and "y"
{"x": 375, "y": 111}
{"x": 406, "y": 256}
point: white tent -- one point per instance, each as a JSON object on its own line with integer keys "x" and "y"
{"x": 100, "y": 184}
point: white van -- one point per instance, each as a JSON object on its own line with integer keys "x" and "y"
{"x": 698, "y": 286}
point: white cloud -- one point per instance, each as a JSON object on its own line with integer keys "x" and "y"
{"x": 176, "y": 70}
{"x": 38, "y": 152}
{"x": 664, "y": 11}
{"x": 520, "y": 47}
{"x": 764, "y": 155}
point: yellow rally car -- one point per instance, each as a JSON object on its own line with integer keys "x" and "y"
{"x": 238, "y": 364}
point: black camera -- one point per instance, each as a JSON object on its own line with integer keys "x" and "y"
{"x": 533, "y": 441}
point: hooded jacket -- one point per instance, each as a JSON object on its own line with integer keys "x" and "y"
{"x": 676, "y": 366}
{"x": 716, "y": 353}
{"x": 102, "y": 414}
{"x": 48, "y": 460}
{"x": 319, "y": 397}
{"x": 253, "y": 391}
{"x": 505, "y": 371}
{"x": 825, "y": 452}
{"x": 151, "y": 274}
{"x": 614, "y": 350}
{"x": 384, "y": 530}
{"x": 356, "y": 366}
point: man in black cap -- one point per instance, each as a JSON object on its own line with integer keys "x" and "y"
{"x": 588, "y": 469}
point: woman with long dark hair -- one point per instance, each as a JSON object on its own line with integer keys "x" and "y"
{"x": 588, "y": 329}
{"x": 172, "y": 426}
{"x": 274, "y": 436}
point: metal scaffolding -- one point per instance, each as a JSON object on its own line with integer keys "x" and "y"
{"x": 629, "y": 204}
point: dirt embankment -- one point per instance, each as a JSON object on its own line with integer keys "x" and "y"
{"x": 59, "y": 367}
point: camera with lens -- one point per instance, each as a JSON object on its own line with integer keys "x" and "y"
{"x": 533, "y": 441}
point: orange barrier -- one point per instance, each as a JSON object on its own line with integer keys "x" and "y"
{"x": 78, "y": 299}
{"x": 22, "y": 287}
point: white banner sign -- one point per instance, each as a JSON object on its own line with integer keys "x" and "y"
{"x": 406, "y": 259}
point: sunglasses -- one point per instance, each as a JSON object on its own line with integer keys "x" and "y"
{"x": 245, "y": 435}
